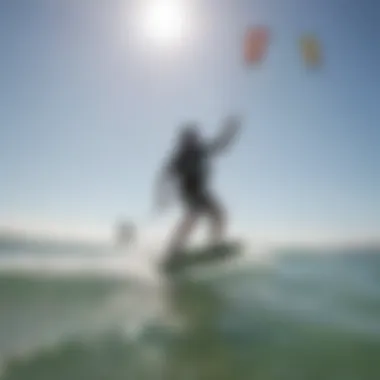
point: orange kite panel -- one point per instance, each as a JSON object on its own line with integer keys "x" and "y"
{"x": 256, "y": 44}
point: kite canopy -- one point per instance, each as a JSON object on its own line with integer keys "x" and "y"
{"x": 311, "y": 50}
{"x": 256, "y": 44}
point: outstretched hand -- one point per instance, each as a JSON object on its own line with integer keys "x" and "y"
{"x": 163, "y": 194}
{"x": 230, "y": 127}
{"x": 232, "y": 124}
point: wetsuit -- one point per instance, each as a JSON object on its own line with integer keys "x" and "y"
{"x": 190, "y": 167}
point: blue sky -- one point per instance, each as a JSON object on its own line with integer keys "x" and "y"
{"x": 89, "y": 107}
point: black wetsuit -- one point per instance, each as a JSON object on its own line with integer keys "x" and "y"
{"x": 190, "y": 166}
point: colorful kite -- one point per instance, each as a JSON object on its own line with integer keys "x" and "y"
{"x": 311, "y": 51}
{"x": 256, "y": 44}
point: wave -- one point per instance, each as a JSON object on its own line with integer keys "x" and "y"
{"x": 300, "y": 316}
{"x": 220, "y": 338}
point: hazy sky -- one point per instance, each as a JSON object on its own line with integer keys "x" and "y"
{"x": 89, "y": 106}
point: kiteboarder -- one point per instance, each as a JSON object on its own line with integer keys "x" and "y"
{"x": 188, "y": 167}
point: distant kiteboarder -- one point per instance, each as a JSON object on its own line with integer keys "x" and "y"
{"x": 125, "y": 234}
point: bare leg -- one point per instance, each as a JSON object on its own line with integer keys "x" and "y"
{"x": 182, "y": 233}
{"x": 217, "y": 222}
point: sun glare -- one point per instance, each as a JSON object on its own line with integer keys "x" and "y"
{"x": 164, "y": 22}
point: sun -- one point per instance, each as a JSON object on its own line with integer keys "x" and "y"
{"x": 164, "y": 22}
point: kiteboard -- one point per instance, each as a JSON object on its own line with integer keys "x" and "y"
{"x": 199, "y": 256}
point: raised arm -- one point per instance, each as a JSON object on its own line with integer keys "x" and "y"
{"x": 230, "y": 128}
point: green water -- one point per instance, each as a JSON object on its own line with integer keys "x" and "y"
{"x": 301, "y": 317}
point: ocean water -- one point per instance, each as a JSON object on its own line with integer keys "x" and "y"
{"x": 287, "y": 314}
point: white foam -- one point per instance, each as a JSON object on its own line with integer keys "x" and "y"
{"x": 139, "y": 265}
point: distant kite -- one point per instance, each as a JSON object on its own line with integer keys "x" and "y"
{"x": 256, "y": 44}
{"x": 311, "y": 51}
